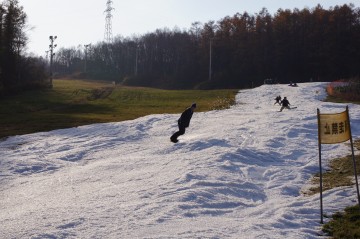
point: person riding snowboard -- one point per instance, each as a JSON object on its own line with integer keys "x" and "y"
{"x": 183, "y": 122}
{"x": 278, "y": 100}
{"x": 285, "y": 104}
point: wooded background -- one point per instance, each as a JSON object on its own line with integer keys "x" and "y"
{"x": 291, "y": 45}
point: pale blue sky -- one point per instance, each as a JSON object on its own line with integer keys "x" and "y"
{"x": 79, "y": 22}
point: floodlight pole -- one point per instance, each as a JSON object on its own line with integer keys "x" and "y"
{"x": 210, "y": 63}
{"x": 52, "y": 54}
{"x": 47, "y": 56}
{"x": 136, "y": 60}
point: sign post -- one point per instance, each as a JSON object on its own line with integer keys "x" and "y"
{"x": 333, "y": 129}
{"x": 321, "y": 196}
{"x": 353, "y": 158}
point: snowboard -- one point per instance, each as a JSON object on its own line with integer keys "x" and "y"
{"x": 291, "y": 108}
{"x": 174, "y": 141}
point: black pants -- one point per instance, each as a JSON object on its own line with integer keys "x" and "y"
{"x": 180, "y": 132}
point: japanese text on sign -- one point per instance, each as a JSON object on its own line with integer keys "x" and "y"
{"x": 334, "y": 128}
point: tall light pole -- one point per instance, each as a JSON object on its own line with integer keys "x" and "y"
{"x": 136, "y": 60}
{"x": 86, "y": 49}
{"x": 47, "y": 56}
{"x": 52, "y": 54}
{"x": 210, "y": 63}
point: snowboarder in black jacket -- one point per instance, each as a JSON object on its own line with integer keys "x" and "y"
{"x": 183, "y": 122}
{"x": 285, "y": 104}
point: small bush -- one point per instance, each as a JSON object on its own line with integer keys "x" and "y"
{"x": 222, "y": 103}
{"x": 348, "y": 90}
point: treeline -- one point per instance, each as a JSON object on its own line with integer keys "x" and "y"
{"x": 235, "y": 52}
{"x": 17, "y": 72}
{"x": 240, "y": 51}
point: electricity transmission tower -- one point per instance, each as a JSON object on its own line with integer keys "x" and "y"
{"x": 108, "y": 37}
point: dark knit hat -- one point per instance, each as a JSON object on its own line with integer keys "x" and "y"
{"x": 193, "y": 105}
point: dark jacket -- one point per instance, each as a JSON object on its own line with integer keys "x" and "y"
{"x": 285, "y": 102}
{"x": 184, "y": 120}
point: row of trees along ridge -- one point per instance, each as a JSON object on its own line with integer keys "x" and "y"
{"x": 290, "y": 45}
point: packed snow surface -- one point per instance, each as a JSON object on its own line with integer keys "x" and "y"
{"x": 236, "y": 173}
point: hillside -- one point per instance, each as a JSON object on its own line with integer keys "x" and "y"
{"x": 236, "y": 173}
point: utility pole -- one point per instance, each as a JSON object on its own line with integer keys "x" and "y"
{"x": 86, "y": 50}
{"x": 47, "y": 56}
{"x": 210, "y": 63}
{"x": 52, "y": 54}
{"x": 136, "y": 60}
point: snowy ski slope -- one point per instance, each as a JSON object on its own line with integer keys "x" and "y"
{"x": 236, "y": 173}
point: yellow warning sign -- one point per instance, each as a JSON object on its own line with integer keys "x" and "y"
{"x": 334, "y": 128}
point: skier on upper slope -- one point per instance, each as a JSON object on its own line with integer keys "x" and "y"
{"x": 278, "y": 100}
{"x": 285, "y": 104}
